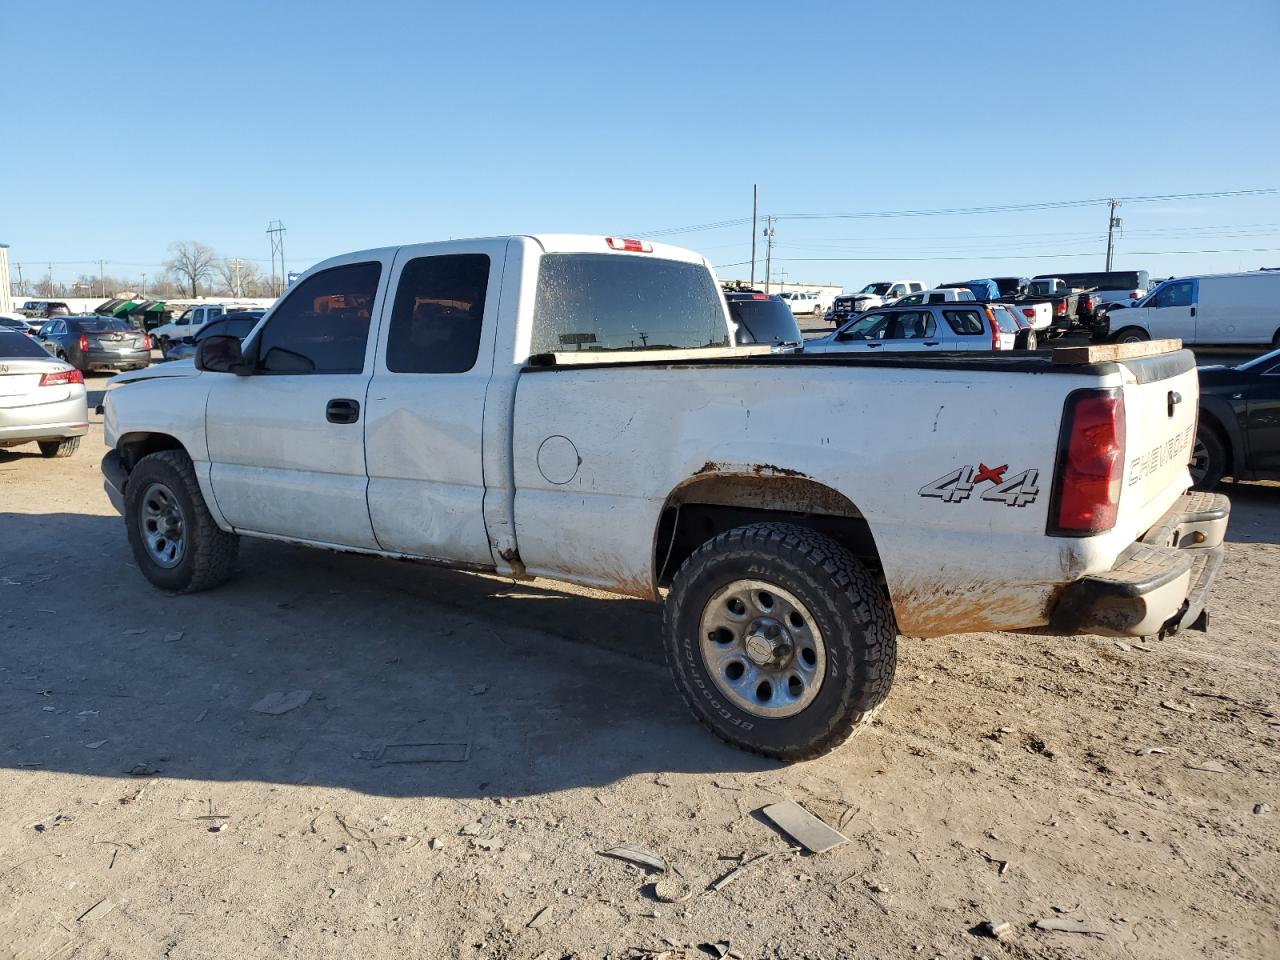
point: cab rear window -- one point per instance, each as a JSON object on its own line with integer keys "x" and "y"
{"x": 600, "y": 302}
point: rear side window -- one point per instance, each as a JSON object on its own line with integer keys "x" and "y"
{"x": 764, "y": 321}
{"x": 602, "y": 302}
{"x": 438, "y": 314}
{"x": 1004, "y": 320}
{"x": 323, "y": 326}
{"x": 914, "y": 325}
{"x": 967, "y": 323}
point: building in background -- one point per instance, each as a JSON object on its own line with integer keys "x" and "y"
{"x": 6, "y": 300}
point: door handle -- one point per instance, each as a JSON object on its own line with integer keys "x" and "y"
{"x": 931, "y": 343}
{"x": 1193, "y": 311}
{"x": 873, "y": 346}
{"x": 342, "y": 411}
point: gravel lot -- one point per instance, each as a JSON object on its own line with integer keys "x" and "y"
{"x": 1132, "y": 788}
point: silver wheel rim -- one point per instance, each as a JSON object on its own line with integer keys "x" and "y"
{"x": 1199, "y": 466}
{"x": 762, "y": 648}
{"x": 161, "y": 523}
{"x": 1131, "y": 338}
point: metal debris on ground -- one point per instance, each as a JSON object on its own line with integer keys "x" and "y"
{"x": 1143, "y": 751}
{"x": 1177, "y": 707}
{"x": 671, "y": 891}
{"x": 1207, "y": 766}
{"x": 996, "y": 929}
{"x": 435, "y": 843}
{"x": 280, "y": 701}
{"x": 718, "y": 949}
{"x": 173, "y": 637}
{"x": 736, "y": 872}
{"x": 637, "y": 855}
{"x": 1067, "y": 925}
{"x": 134, "y": 632}
{"x": 541, "y": 917}
{"x": 803, "y": 827}
{"x": 1261, "y": 808}
{"x": 94, "y": 745}
{"x": 97, "y": 911}
{"x": 423, "y": 753}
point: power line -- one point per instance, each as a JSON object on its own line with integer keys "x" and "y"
{"x": 1024, "y": 256}
{"x": 969, "y": 211}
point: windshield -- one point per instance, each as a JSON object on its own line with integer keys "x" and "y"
{"x": 97, "y": 324}
{"x": 600, "y": 301}
{"x": 1266, "y": 358}
{"x": 1040, "y": 287}
{"x": 879, "y": 289}
{"x": 764, "y": 321}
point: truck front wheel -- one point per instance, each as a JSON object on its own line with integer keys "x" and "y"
{"x": 1132, "y": 335}
{"x": 175, "y": 540}
{"x": 779, "y": 640}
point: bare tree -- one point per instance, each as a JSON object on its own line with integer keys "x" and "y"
{"x": 191, "y": 263}
{"x": 240, "y": 278}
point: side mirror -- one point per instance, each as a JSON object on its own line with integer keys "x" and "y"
{"x": 222, "y": 355}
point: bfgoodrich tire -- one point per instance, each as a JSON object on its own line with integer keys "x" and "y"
{"x": 779, "y": 640}
{"x": 173, "y": 536}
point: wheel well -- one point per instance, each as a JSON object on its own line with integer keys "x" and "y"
{"x": 134, "y": 446}
{"x": 707, "y": 506}
{"x": 1211, "y": 421}
{"x": 1131, "y": 326}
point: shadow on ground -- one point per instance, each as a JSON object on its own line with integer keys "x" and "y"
{"x": 94, "y": 678}
{"x": 1253, "y": 511}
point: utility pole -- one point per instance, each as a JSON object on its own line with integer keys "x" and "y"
{"x": 275, "y": 230}
{"x": 102, "y": 277}
{"x": 144, "y": 284}
{"x": 755, "y": 216}
{"x": 51, "y": 293}
{"x": 1113, "y": 224}
{"x": 768, "y": 252}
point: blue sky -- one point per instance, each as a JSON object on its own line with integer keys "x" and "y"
{"x": 132, "y": 125}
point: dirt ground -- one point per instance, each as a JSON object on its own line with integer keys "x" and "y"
{"x": 1133, "y": 788}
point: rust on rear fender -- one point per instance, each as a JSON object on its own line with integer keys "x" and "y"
{"x": 936, "y": 608}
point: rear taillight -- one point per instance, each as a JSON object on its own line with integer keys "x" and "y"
{"x": 61, "y": 378}
{"x": 995, "y": 329}
{"x": 1029, "y": 313}
{"x": 632, "y": 246}
{"x": 146, "y": 341}
{"x": 759, "y": 296}
{"x": 84, "y": 343}
{"x": 1060, "y": 308}
{"x": 1134, "y": 295}
{"x": 1086, "y": 487}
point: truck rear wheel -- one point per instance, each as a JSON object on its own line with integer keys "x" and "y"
{"x": 174, "y": 538}
{"x": 779, "y": 640}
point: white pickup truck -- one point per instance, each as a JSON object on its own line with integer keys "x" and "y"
{"x": 572, "y": 407}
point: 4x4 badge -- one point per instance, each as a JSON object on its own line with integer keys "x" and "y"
{"x": 958, "y": 485}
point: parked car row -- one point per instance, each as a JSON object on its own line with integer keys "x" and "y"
{"x": 1073, "y": 300}
{"x": 95, "y": 343}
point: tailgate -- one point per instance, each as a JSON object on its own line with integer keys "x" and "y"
{"x": 1161, "y": 399}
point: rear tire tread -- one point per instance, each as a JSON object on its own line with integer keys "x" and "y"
{"x": 859, "y": 591}
{"x": 49, "y": 449}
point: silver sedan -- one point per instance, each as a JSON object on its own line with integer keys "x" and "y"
{"x": 42, "y": 399}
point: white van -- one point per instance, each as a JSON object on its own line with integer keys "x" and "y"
{"x": 1223, "y": 308}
